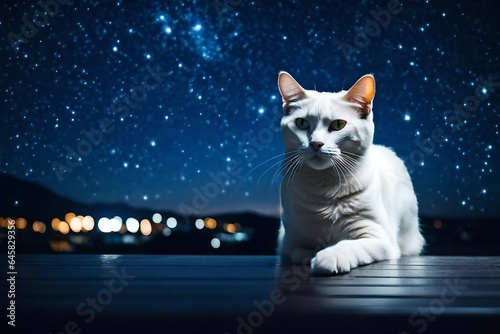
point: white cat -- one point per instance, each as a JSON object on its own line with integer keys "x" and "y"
{"x": 346, "y": 202}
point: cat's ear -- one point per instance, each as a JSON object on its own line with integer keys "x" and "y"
{"x": 290, "y": 89}
{"x": 362, "y": 94}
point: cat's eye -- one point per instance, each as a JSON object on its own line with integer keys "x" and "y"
{"x": 302, "y": 123}
{"x": 337, "y": 125}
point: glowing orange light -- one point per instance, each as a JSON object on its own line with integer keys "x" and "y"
{"x": 63, "y": 227}
{"x": 69, "y": 216}
{"x": 210, "y": 223}
{"x": 21, "y": 223}
{"x": 87, "y": 223}
{"x": 145, "y": 227}
{"x": 437, "y": 224}
{"x": 230, "y": 228}
{"x": 60, "y": 246}
{"x": 75, "y": 224}
{"x": 7, "y": 221}
{"x": 39, "y": 226}
{"x": 43, "y": 227}
{"x": 55, "y": 224}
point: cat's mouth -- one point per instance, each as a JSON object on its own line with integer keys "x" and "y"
{"x": 318, "y": 161}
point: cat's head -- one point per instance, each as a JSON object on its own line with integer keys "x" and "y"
{"x": 327, "y": 128}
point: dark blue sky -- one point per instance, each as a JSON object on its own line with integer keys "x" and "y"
{"x": 172, "y": 106}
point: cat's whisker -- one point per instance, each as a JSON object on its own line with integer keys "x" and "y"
{"x": 352, "y": 153}
{"x": 293, "y": 169}
{"x": 279, "y": 156}
{"x": 345, "y": 168}
{"x": 350, "y": 167}
{"x": 338, "y": 168}
{"x": 283, "y": 169}
{"x": 354, "y": 164}
{"x": 267, "y": 170}
{"x": 285, "y": 164}
{"x": 299, "y": 164}
{"x": 335, "y": 169}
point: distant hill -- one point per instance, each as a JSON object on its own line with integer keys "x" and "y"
{"x": 20, "y": 198}
{"x": 26, "y": 199}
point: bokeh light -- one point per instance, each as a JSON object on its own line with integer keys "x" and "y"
{"x": 210, "y": 223}
{"x": 437, "y": 224}
{"x": 55, "y": 224}
{"x": 69, "y": 216}
{"x": 88, "y": 223}
{"x": 215, "y": 242}
{"x": 230, "y": 228}
{"x": 75, "y": 224}
{"x": 115, "y": 224}
{"x": 157, "y": 218}
{"x": 39, "y": 227}
{"x": 199, "y": 224}
{"x": 21, "y": 223}
{"x": 171, "y": 222}
{"x": 103, "y": 225}
{"x": 145, "y": 227}
{"x": 63, "y": 227}
{"x": 132, "y": 225}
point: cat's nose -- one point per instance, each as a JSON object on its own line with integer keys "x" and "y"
{"x": 316, "y": 145}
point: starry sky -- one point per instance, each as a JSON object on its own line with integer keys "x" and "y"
{"x": 174, "y": 105}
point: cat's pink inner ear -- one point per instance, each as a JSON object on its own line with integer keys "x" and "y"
{"x": 290, "y": 89}
{"x": 362, "y": 93}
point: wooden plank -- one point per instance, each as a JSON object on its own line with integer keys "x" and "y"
{"x": 194, "y": 292}
{"x": 399, "y": 281}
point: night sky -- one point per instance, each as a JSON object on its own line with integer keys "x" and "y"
{"x": 175, "y": 106}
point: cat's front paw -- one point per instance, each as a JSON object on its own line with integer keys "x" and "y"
{"x": 330, "y": 262}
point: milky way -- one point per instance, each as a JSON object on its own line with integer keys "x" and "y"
{"x": 175, "y": 106}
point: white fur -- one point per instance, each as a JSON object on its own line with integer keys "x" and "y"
{"x": 351, "y": 203}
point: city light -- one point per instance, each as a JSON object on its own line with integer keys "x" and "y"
{"x": 157, "y": 218}
{"x": 69, "y": 216}
{"x": 115, "y": 224}
{"x": 87, "y": 223}
{"x": 215, "y": 243}
{"x": 103, "y": 225}
{"x": 231, "y": 228}
{"x": 39, "y": 227}
{"x": 199, "y": 224}
{"x": 75, "y": 224}
{"x": 63, "y": 227}
{"x": 21, "y": 223}
{"x": 171, "y": 222}
{"x": 145, "y": 227}
{"x": 132, "y": 225}
{"x": 210, "y": 223}
{"x": 55, "y": 224}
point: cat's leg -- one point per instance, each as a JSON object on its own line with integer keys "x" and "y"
{"x": 410, "y": 240}
{"x": 289, "y": 252}
{"x": 349, "y": 254}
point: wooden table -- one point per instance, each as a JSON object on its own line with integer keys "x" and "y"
{"x": 251, "y": 294}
